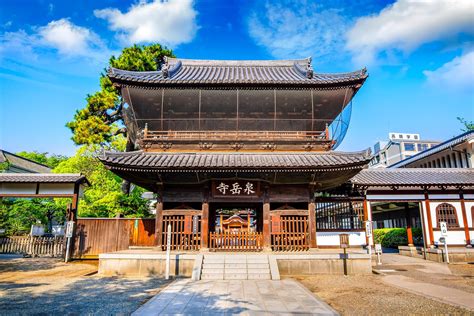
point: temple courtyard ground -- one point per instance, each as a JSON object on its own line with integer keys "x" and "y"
{"x": 48, "y": 286}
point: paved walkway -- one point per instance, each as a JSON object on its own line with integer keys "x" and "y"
{"x": 239, "y": 297}
{"x": 426, "y": 278}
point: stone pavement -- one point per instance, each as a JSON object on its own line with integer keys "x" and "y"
{"x": 235, "y": 297}
{"x": 426, "y": 278}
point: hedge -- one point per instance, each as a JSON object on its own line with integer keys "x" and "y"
{"x": 394, "y": 237}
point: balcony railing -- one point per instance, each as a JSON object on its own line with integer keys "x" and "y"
{"x": 312, "y": 136}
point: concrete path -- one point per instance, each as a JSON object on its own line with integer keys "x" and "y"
{"x": 426, "y": 278}
{"x": 235, "y": 297}
{"x": 437, "y": 292}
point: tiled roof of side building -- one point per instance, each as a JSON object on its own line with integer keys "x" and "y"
{"x": 282, "y": 72}
{"x": 23, "y": 164}
{"x": 414, "y": 177}
{"x": 42, "y": 178}
{"x": 435, "y": 149}
{"x": 234, "y": 161}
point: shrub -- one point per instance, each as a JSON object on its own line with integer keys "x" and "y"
{"x": 392, "y": 237}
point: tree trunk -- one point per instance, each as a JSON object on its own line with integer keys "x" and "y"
{"x": 126, "y": 184}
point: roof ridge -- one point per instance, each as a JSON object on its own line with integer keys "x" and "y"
{"x": 243, "y": 62}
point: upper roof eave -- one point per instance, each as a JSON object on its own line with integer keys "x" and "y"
{"x": 183, "y": 72}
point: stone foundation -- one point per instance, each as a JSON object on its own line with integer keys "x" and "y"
{"x": 300, "y": 265}
{"x": 456, "y": 254}
{"x": 148, "y": 264}
{"x": 145, "y": 265}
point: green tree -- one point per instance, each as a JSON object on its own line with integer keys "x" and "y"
{"x": 101, "y": 120}
{"x": 17, "y": 215}
{"x": 50, "y": 160}
{"x": 104, "y": 197}
{"x": 467, "y": 125}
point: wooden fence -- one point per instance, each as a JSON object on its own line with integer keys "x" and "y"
{"x": 185, "y": 232}
{"x": 100, "y": 235}
{"x": 240, "y": 241}
{"x": 289, "y": 233}
{"x": 33, "y": 246}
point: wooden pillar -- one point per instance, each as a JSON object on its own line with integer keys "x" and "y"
{"x": 312, "y": 225}
{"x": 464, "y": 219}
{"x": 365, "y": 205}
{"x": 428, "y": 219}
{"x": 159, "y": 222}
{"x": 205, "y": 225}
{"x": 409, "y": 230}
{"x": 267, "y": 238}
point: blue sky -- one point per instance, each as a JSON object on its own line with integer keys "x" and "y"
{"x": 419, "y": 54}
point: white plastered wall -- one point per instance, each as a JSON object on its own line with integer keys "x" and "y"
{"x": 332, "y": 238}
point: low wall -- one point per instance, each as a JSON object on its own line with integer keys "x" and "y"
{"x": 145, "y": 265}
{"x": 300, "y": 265}
{"x": 153, "y": 264}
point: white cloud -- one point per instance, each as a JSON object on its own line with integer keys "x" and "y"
{"x": 68, "y": 39}
{"x": 407, "y": 24}
{"x": 297, "y": 29}
{"x": 458, "y": 74}
{"x": 169, "y": 22}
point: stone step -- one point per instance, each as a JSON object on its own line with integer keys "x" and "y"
{"x": 258, "y": 265}
{"x": 206, "y": 276}
{"x": 260, "y": 276}
{"x": 212, "y": 270}
{"x": 213, "y": 259}
{"x": 235, "y": 265}
{"x": 257, "y": 271}
{"x": 235, "y": 276}
{"x": 235, "y": 270}
{"x": 213, "y": 265}
{"x": 260, "y": 260}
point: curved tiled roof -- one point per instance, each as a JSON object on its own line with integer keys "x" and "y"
{"x": 436, "y": 149}
{"x": 281, "y": 72}
{"x": 42, "y": 178}
{"x": 415, "y": 177}
{"x": 234, "y": 161}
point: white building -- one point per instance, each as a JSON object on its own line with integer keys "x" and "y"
{"x": 400, "y": 146}
{"x": 457, "y": 152}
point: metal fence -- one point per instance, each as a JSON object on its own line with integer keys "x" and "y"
{"x": 33, "y": 246}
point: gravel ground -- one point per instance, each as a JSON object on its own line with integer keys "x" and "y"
{"x": 367, "y": 295}
{"x": 49, "y": 287}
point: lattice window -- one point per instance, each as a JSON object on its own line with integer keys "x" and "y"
{"x": 339, "y": 215}
{"x": 445, "y": 212}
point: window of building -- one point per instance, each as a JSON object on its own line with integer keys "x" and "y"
{"x": 445, "y": 212}
{"x": 400, "y": 136}
{"x": 416, "y": 137}
{"x": 409, "y": 146}
{"x": 339, "y": 215}
{"x": 422, "y": 147}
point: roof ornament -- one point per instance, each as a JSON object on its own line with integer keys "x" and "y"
{"x": 309, "y": 69}
{"x": 165, "y": 68}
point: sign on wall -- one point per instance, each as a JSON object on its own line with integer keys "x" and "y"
{"x": 368, "y": 229}
{"x": 444, "y": 228}
{"x": 235, "y": 188}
